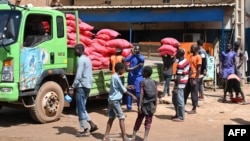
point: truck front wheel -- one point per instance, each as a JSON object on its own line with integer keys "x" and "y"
{"x": 49, "y": 103}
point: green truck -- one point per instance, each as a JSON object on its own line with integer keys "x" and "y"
{"x": 36, "y": 65}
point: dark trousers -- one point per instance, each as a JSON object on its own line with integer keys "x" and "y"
{"x": 193, "y": 89}
{"x": 139, "y": 119}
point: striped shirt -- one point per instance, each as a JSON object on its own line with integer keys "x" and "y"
{"x": 183, "y": 71}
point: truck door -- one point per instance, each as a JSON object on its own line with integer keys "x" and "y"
{"x": 36, "y": 31}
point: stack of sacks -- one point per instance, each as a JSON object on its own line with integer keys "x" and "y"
{"x": 85, "y": 31}
{"x": 101, "y": 52}
{"x": 101, "y": 47}
{"x": 169, "y": 46}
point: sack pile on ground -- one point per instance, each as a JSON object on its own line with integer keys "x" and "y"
{"x": 168, "y": 46}
{"x": 100, "y": 46}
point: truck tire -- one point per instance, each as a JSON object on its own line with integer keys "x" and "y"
{"x": 49, "y": 103}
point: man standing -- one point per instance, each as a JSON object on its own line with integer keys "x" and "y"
{"x": 168, "y": 62}
{"x": 239, "y": 59}
{"x": 117, "y": 58}
{"x": 203, "y": 71}
{"x": 82, "y": 85}
{"x": 181, "y": 79}
{"x": 227, "y": 64}
{"x": 192, "y": 85}
{"x": 136, "y": 62}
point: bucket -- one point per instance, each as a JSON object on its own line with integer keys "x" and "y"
{"x": 67, "y": 98}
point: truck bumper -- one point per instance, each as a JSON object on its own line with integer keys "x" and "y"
{"x": 9, "y": 92}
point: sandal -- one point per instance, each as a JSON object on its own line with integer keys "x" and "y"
{"x": 192, "y": 112}
{"x": 93, "y": 129}
{"x": 177, "y": 120}
{"x": 83, "y": 134}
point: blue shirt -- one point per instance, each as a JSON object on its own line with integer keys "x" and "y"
{"x": 83, "y": 76}
{"x": 228, "y": 60}
{"x": 133, "y": 61}
{"x": 116, "y": 88}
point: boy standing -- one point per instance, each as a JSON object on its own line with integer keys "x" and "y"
{"x": 147, "y": 103}
{"x": 180, "y": 83}
{"x": 192, "y": 85}
{"x": 115, "y": 99}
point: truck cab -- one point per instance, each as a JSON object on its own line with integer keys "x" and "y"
{"x": 33, "y": 58}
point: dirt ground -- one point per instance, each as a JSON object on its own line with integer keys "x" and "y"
{"x": 206, "y": 125}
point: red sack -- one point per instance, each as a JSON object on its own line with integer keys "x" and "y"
{"x": 46, "y": 26}
{"x": 97, "y": 68}
{"x": 71, "y": 36}
{"x": 84, "y": 26}
{"x": 100, "y": 41}
{"x": 87, "y": 33}
{"x": 105, "y": 61}
{"x": 121, "y": 43}
{"x": 112, "y": 33}
{"x": 71, "y": 43}
{"x": 87, "y": 51}
{"x": 167, "y": 49}
{"x": 97, "y": 55}
{"x": 99, "y": 48}
{"x": 70, "y": 17}
{"x": 70, "y": 29}
{"x": 105, "y": 37}
{"x": 96, "y": 63}
{"x": 86, "y": 40}
{"x": 126, "y": 52}
{"x": 111, "y": 51}
{"x": 71, "y": 23}
{"x": 170, "y": 41}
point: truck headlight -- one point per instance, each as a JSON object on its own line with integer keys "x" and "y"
{"x": 7, "y": 72}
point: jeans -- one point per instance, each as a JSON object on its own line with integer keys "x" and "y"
{"x": 129, "y": 99}
{"x": 115, "y": 110}
{"x": 178, "y": 101}
{"x": 193, "y": 89}
{"x": 136, "y": 82}
{"x": 81, "y": 100}
{"x": 167, "y": 83}
{"x": 201, "y": 86}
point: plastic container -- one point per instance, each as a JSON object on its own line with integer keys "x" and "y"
{"x": 67, "y": 98}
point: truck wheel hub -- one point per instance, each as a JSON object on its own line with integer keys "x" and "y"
{"x": 50, "y": 103}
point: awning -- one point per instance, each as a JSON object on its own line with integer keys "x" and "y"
{"x": 153, "y": 15}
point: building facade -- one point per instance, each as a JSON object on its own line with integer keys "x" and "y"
{"x": 222, "y": 21}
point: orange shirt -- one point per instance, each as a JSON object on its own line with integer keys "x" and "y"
{"x": 115, "y": 59}
{"x": 194, "y": 62}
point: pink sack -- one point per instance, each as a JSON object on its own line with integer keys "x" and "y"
{"x": 71, "y": 36}
{"x": 105, "y": 61}
{"x": 70, "y": 29}
{"x": 112, "y": 33}
{"x": 99, "y": 48}
{"x": 167, "y": 49}
{"x": 86, "y": 40}
{"x": 96, "y": 63}
{"x": 87, "y": 33}
{"x": 105, "y": 37}
{"x": 85, "y": 26}
{"x": 121, "y": 43}
{"x": 170, "y": 41}
{"x": 126, "y": 52}
{"x": 100, "y": 41}
{"x": 70, "y": 17}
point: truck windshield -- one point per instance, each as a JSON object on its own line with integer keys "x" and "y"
{"x": 9, "y": 26}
